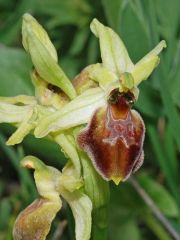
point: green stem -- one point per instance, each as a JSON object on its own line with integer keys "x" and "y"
{"x": 154, "y": 225}
{"x": 155, "y": 210}
{"x": 98, "y": 191}
{"x": 99, "y": 224}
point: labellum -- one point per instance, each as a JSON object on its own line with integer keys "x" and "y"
{"x": 114, "y": 138}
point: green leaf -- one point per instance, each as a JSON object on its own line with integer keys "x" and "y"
{"x": 175, "y": 86}
{"x": 147, "y": 101}
{"x": 169, "y": 107}
{"x": 5, "y": 212}
{"x": 15, "y": 72}
{"x": 134, "y": 30}
{"x": 161, "y": 159}
{"x": 126, "y": 231}
{"x": 11, "y": 26}
{"x": 168, "y": 16}
{"x": 70, "y": 65}
{"x": 79, "y": 41}
{"x": 170, "y": 150}
{"x": 74, "y": 12}
{"x": 160, "y": 196}
{"x": 112, "y": 11}
{"x": 92, "y": 51}
{"x": 156, "y": 227}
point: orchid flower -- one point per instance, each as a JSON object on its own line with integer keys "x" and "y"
{"x": 114, "y": 134}
{"x": 89, "y": 117}
{"x": 34, "y": 222}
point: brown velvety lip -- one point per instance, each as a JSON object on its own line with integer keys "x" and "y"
{"x": 114, "y": 140}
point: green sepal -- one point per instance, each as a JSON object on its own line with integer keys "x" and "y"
{"x": 77, "y": 112}
{"x": 113, "y": 51}
{"x": 43, "y": 59}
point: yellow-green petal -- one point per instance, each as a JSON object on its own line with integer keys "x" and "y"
{"x": 81, "y": 207}
{"x": 143, "y": 69}
{"x": 24, "y": 128}
{"x": 100, "y": 74}
{"x": 10, "y": 113}
{"x": 154, "y": 52}
{"x": 69, "y": 149}
{"x": 19, "y": 99}
{"x": 70, "y": 178}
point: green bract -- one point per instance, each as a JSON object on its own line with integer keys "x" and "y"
{"x": 59, "y": 110}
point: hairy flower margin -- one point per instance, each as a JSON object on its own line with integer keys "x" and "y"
{"x": 88, "y": 117}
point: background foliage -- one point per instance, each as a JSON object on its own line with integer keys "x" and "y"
{"x": 141, "y": 24}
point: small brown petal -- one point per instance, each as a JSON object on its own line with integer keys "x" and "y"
{"x": 34, "y": 222}
{"x": 114, "y": 138}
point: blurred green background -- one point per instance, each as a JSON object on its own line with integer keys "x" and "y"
{"x": 141, "y": 24}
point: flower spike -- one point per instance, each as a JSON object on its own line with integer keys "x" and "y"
{"x": 92, "y": 120}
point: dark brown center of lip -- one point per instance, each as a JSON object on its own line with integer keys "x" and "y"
{"x": 120, "y": 103}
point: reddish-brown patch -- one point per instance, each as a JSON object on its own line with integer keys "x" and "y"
{"x": 83, "y": 82}
{"x": 114, "y": 139}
